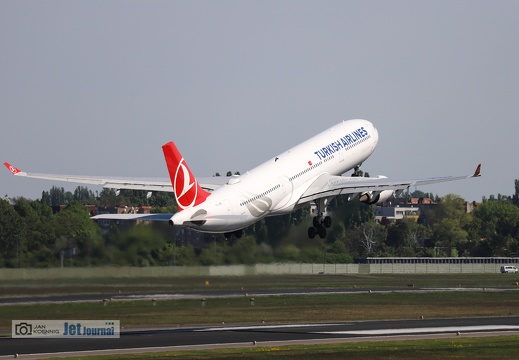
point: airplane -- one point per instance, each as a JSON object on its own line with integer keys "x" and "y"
{"x": 310, "y": 172}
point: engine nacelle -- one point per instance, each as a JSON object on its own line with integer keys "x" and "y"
{"x": 375, "y": 197}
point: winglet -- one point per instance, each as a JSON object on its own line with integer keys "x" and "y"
{"x": 477, "y": 172}
{"x": 188, "y": 192}
{"x": 12, "y": 169}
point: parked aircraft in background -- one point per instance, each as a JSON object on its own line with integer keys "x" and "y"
{"x": 308, "y": 172}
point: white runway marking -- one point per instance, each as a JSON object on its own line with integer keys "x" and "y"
{"x": 264, "y": 327}
{"x": 446, "y": 329}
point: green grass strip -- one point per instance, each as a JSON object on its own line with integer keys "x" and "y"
{"x": 503, "y": 347}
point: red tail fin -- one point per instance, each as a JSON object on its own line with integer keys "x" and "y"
{"x": 12, "y": 168}
{"x": 187, "y": 190}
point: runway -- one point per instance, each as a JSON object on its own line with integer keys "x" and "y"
{"x": 171, "y": 339}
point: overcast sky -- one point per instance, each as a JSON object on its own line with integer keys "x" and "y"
{"x": 96, "y": 87}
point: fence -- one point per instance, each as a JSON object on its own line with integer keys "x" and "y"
{"x": 243, "y": 270}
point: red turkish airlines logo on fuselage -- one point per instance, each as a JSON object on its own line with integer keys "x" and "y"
{"x": 186, "y": 187}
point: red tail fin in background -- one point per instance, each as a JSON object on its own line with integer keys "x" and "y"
{"x": 12, "y": 168}
{"x": 188, "y": 192}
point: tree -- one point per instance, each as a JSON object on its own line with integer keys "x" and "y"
{"x": 243, "y": 251}
{"x": 83, "y": 195}
{"x": 277, "y": 227}
{"x": 162, "y": 200}
{"x": 140, "y": 245}
{"x": 172, "y": 254}
{"x": 12, "y": 235}
{"x": 212, "y": 255}
{"x": 337, "y": 232}
{"x": 352, "y": 213}
{"x": 367, "y": 238}
{"x": 401, "y": 238}
{"x": 45, "y": 198}
{"x": 108, "y": 198}
{"x": 498, "y": 225}
{"x": 288, "y": 252}
{"x": 405, "y": 237}
{"x": 57, "y": 196}
{"x": 74, "y": 224}
{"x": 259, "y": 230}
{"x": 418, "y": 194}
{"x": 447, "y": 235}
{"x": 338, "y": 253}
{"x": 449, "y": 223}
{"x": 421, "y": 194}
{"x": 515, "y": 198}
{"x": 39, "y": 231}
{"x": 419, "y": 233}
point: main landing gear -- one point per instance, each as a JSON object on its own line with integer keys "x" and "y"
{"x": 357, "y": 172}
{"x": 320, "y": 221}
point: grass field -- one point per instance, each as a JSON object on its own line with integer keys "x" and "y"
{"x": 251, "y": 283}
{"x": 277, "y": 309}
{"x": 287, "y": 308}
{"x": 502, "y": 348}
{"x": 500, "y": 300}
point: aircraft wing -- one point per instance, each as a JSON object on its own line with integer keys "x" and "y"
{"x": 146, "y": 184}
{"x": 328, "y": 185}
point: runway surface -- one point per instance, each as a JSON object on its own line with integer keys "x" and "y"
{"x": 168, "y": 339}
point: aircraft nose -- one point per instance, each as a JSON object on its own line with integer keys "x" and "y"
{"x": 374, "y": 136}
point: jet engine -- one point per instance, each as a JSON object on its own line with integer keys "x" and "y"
{"x": 375, "y": 197}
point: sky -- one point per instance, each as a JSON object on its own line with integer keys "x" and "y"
{"x": 97, "y": 87}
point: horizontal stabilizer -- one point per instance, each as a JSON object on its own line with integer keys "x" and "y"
{"x": 142, "y": 217}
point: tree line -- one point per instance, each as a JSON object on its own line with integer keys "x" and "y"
{"x": 33, "y": 233}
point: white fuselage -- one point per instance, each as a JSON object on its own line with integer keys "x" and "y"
{"x": 276, "y": 186}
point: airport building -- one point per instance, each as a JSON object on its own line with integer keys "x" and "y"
{"x": 396, "y": 209}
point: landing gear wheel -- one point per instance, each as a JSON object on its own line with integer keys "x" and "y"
{"x": 322, "y": 232}
{"x": 320, "y": 221}
{"x": 238, "y": 234}
{"x": 356, "y": 171}
{"x": 327, "y": 222}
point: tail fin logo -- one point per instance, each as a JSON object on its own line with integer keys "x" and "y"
{"x": 186, "y": 189}
{"x": 12, "y": 168}
{"x": 188, "y": 192}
